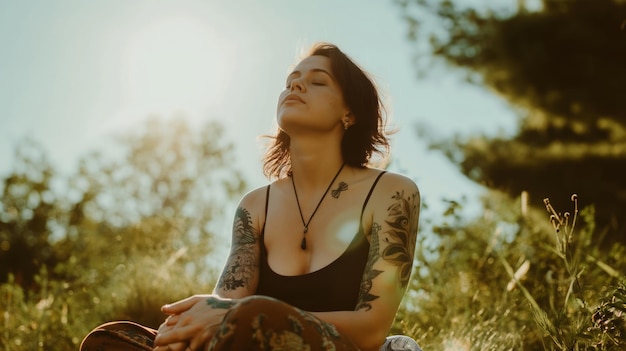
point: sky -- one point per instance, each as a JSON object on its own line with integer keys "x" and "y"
{"x": 74, "y": 73}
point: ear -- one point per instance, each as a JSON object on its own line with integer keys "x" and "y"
{"x": 348, "y": 120}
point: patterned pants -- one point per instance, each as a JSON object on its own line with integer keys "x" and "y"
{"x": 255, "y": 323}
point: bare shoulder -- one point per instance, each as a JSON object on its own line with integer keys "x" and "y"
{"x": 252, "y": 206}
{"x": 393, "y": 193}
{"x": 254, "y": 196}
{"x": 391, "y": 182}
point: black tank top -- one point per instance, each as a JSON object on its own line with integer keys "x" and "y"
{"x": 334, "y": 287}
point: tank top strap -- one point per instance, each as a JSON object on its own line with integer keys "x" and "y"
{"x": 267, "y": 201}
{"x": 367, "y": 198}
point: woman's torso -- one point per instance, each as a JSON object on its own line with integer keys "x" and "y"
{"x": 327, "y": 275}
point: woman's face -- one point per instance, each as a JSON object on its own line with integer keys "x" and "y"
{"x": 312, "y": 100}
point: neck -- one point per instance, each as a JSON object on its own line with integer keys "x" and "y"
{"x": 314, "y": 164}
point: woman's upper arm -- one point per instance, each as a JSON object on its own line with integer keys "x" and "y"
{"x": 240, "y": 275}
{"x": 395, "y": 208}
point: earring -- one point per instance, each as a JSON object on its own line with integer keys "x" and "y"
{"x": 346, "y": 124}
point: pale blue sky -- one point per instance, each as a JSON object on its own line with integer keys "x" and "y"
{"x": 73, "y": 73}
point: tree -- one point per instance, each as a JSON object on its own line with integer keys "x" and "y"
{"x": 130, "y": 230}
{"x": 165, "y": 193}
{"x": 27, "y": 206}
{"x": 505, "y": 280}
{"x": 563, "y": 68}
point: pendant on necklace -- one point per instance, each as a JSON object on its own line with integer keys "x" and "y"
{"x": 306, "y": 223}
{"x": 303, "y": 244}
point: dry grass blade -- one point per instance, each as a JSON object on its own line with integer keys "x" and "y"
{"x": 540, "y": 315}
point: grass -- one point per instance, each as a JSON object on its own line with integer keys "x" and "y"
{"x": 495, "y": 283}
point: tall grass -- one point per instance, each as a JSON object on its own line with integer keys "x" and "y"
{"x": 516, "y": 279}
{"x": 572, "y": 323}
{"x": 509, "y": 280}
{"x": 59, "y": 314}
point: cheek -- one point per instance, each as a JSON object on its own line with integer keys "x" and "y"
{"x": 336, "y": 107}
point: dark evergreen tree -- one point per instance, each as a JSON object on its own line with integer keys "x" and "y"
{"x": 562, "y": 67}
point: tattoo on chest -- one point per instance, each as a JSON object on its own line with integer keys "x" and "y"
{"x": 242, "y": 263}
{"x": 341, "y": 187}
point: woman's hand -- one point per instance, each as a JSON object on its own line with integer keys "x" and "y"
{"x": 191, "y": 323}
{"x": 166, "y": 327}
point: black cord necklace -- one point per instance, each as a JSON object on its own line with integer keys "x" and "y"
{"x": 306, "y": 224}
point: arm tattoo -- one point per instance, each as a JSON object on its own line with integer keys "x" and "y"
{"x": 220, "y": 303}
{"x": 401, "y": 237}
{"x": 400, "y": 240}
{"x": 365, "y": 297}
{"x": 242, "y": 262}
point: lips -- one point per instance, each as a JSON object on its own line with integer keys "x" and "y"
{"x": 293, "y": 97}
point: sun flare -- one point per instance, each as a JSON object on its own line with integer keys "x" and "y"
{"x": 176, "y": 63}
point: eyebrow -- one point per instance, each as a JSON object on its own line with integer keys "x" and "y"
{"x": 313, "y": 70}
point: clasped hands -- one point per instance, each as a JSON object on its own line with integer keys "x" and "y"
{"x": 191, "y": 323}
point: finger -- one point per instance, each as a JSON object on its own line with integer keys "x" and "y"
{"x": 172, "y": 319}
{"x": 179, "y": 346}
{"x": 201, "y": 339}
{"x": 178, "y": 334}
{"x": 164, "y": 329}
{"x": 169, "y": 325}
{"x": 179, "y": 306}
{"x": 165, "y": 326}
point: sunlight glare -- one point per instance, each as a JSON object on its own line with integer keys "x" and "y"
{"x": 347, "y": 229}
{"x": 176, "y": 63}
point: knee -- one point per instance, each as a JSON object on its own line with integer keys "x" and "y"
{"x": 258, "y": 304}
{"x": 248, "y": 323}
{"x": 257, "y": 309}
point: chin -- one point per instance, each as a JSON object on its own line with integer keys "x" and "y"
{"x": 287, "y": 121}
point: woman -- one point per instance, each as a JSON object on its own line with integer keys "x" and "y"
{"x": 320, "y": 258}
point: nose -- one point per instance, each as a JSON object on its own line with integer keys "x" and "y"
{"x": 297, "y": 84}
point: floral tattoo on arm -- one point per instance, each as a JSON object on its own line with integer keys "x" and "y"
{"x": 365, "y": 297}
{"x": 400, "y": 240}
{"x": 402, "y": 235}
{"x": 242, "y": 262}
